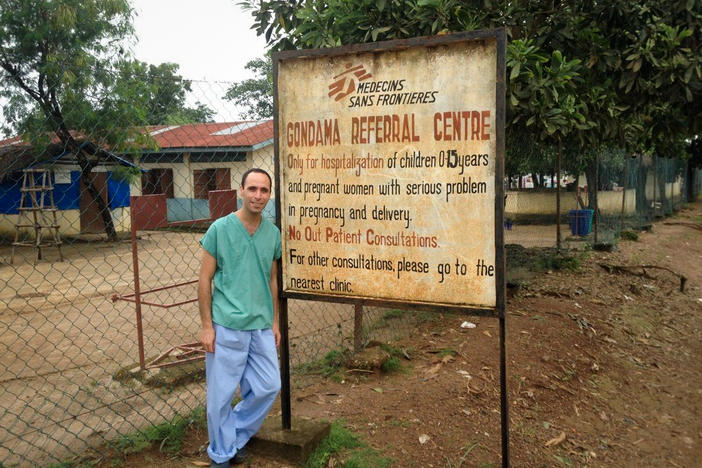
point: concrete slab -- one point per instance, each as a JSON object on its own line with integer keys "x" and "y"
{"x": 294, "y": 445}
{"x": 163, "y": 377}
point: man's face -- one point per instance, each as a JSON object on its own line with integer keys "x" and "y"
{"x": 255, "y": 193}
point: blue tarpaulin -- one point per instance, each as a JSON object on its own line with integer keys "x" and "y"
{"x": 10, "y": 196}
{"x": 117, "y": 192}
{"x": 66, "y": 196}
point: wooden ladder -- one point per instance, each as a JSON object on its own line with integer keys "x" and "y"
{"x": 37, "y": 211}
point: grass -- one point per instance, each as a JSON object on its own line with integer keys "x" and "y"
{"x": 425, "y": 317}
{"x": 558, "y": 262}
{"x": 366, "y": 458}
{"x": 346, "y": 450}
{"x": 564, "y": 460}
{"x": 382, "y": 321}
{"x": 329, "y": 366}
{"x": 397, "y": 314}
{"x": 629, "y": 235}
{"x": 391, "y": 350}
{"x": 526, "y": 430}
{"x": 393, "y": 313}
{"x": 390, "y": 365}
{"x": 568, "y": 374}
{"x": 332, "y": 363}
{"x": 539, "y": 259}
{"x": 168, "y": 435}
{"x": 462, "y": 460}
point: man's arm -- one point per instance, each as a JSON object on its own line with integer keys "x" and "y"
{"x": 204, "y": 299}
{"x": 276, "y": 302}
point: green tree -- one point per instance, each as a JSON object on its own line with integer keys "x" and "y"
{"x": 57, "y": 62}
{"x": 635, "y": 68}
{"x": 541, "y": 96}
{"x": 657, "y": 76}
{"x": 255, "y": 94}
{"x": 164, "y": 92}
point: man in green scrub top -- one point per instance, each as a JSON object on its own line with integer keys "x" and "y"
{"x": 240, "y": 320}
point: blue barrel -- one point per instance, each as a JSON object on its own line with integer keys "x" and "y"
{"x": 580, "y": 222}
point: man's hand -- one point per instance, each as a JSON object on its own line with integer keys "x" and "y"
{"x": 207, "y": 338}
{"x": 276, "y": 333}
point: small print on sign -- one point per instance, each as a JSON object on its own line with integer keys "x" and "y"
{"x": 388, "y": 174}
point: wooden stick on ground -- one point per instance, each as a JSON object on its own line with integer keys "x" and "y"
{"x": 632, "y": 270}
{"x": 690, "y": 225}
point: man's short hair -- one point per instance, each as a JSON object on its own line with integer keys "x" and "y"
{"x": 258, "y": 170}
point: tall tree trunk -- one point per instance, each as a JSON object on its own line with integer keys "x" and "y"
{"x": 591, "y": 177}
{"x": 87, "y": 167}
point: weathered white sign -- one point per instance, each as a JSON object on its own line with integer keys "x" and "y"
{"x": 387, "y": 174}
{"x": 62, "y": 176}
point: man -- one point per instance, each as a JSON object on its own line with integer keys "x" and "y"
{"x": 240, "y": 320}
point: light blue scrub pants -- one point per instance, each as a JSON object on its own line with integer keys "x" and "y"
{"x": 247, "y": 358}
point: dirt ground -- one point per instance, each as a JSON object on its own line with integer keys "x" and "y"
{"x": 62, "y": 339}
{"x": 603, "y": 369}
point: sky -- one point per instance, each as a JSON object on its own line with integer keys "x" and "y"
{"x": 211, "y": 40}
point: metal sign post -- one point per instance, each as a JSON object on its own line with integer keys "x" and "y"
{"x": 390, "y": 167}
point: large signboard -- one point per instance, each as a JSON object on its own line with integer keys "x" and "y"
{"x": 390, "y": 169}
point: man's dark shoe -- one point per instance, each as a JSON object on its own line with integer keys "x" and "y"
{"x": 214, "y": 464}
{"x": 240, "y": 457}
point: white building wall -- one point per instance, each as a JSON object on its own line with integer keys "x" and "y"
{"x": 263, "y": 158}
{"x": 68, "y": 221}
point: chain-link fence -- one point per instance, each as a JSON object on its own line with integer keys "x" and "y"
{"x": 98, "y": 268}
{"x": 99, "y": 332}
{"x": 629, "y": 194}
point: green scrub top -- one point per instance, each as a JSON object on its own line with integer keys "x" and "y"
{"x": 241, "y": 298}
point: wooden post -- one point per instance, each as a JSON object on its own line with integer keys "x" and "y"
{"x": 655, "y": 183}
{"x": 137, "y": 289}
{"x": 357, "y": 327}
{"x": 596, "y": 214}
{"x": 285, "y": 398}
{"x": 621, "y": 216}
{"x": 558, "y": 197}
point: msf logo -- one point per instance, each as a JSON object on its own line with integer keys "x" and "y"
{"x": 345, "y": 83}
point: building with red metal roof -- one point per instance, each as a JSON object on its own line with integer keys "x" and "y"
{"x": 185, "y": 163}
